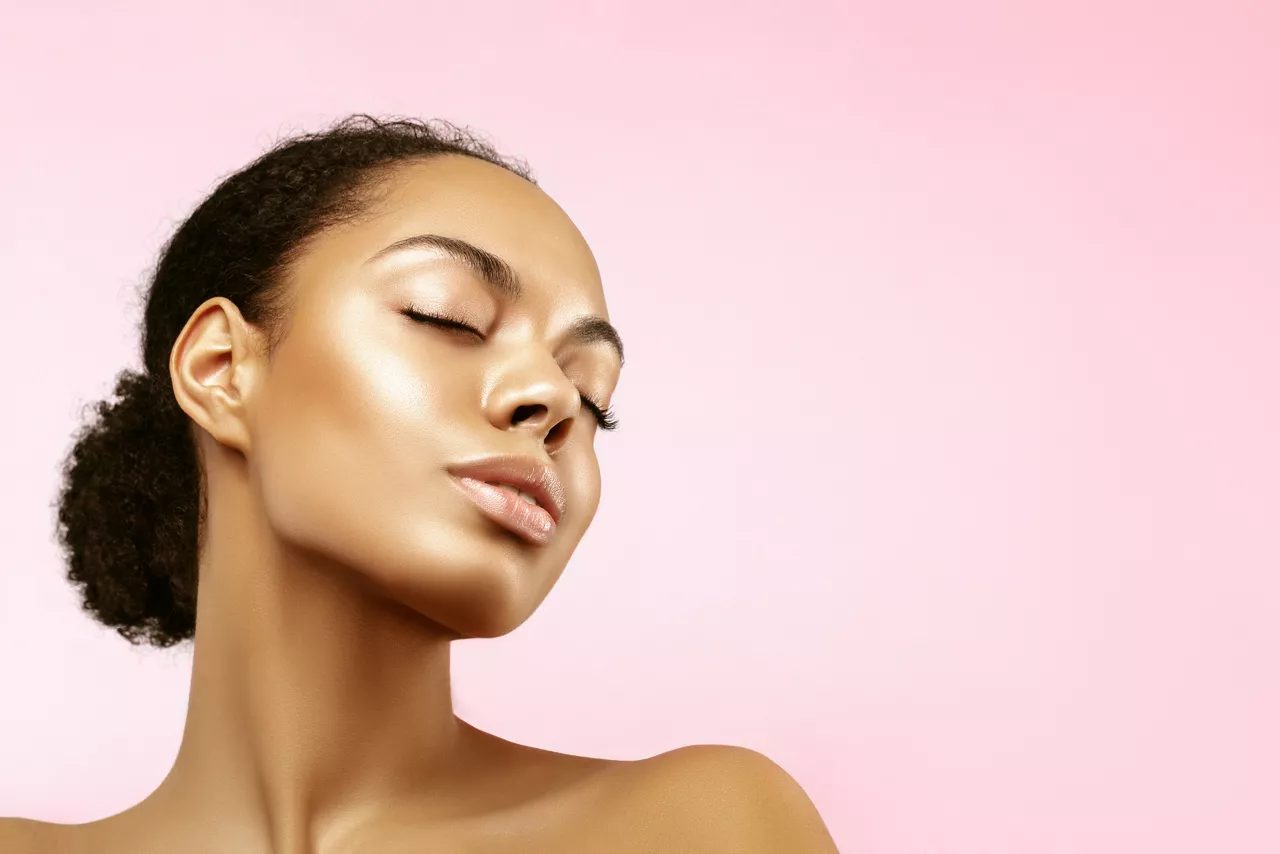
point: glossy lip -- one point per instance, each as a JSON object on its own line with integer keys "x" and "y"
{"x": 524, "y": 473}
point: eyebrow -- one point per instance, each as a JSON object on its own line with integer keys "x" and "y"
{"x": 501, "y": 278}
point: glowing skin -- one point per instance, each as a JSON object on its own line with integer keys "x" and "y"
{"x": 340, "y": 560}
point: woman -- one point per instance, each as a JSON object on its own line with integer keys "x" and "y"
{"x": 376, "y": 362}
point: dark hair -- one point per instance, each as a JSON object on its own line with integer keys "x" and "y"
{"x": 131, "y": 508}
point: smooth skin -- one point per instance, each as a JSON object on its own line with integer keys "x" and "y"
{"x": 340, "y": 561}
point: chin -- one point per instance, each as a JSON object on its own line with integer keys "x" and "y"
{"x": 465, "y": 575}
{"x": 475, "y": 598}
{"x": 478, "y": 619}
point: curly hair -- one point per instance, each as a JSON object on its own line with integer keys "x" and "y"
{"x": 130, "y": 509}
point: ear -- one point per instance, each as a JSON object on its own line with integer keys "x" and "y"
{"x": 213, "y": 366}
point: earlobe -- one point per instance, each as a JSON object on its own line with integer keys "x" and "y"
{"x": 210, "y": 365}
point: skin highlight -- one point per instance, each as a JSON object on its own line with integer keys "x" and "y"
{"x": 339, "y": 560}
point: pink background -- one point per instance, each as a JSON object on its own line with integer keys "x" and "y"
{"x": 948, "y": 474}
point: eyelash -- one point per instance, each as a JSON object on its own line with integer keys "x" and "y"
{"x": 604, "y": 417}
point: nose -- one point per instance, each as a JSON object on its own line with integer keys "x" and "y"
{"x": 546, "y": 409}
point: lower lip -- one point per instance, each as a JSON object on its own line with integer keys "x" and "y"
{"x": 509, "y": 510}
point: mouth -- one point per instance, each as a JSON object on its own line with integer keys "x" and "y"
{"x": 520, "y": 493}
{"x": 504, "y": 505}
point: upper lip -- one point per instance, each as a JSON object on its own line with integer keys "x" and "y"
{"x": 524, "y": 473}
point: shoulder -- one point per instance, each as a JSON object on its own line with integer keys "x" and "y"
{"x": 26, "y": 836}
{"x": 729, "y": 798}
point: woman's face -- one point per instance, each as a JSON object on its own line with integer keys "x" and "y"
{"x": 365, "y": 409}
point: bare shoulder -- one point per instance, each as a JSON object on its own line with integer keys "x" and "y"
{"x": 26, "y": 836}
{"x": 718, "y": 797}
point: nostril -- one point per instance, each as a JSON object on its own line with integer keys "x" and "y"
{"x": 558, "y": 432}
{"x": 524, "y": 413}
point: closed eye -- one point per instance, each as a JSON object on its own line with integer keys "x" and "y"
{"x": 442, "y": 320}
{"x": 605, "y": 419}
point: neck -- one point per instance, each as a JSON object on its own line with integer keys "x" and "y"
{"x": 315, "y": 701}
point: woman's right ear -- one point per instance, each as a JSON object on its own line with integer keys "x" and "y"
{"x": 213, "y": 365}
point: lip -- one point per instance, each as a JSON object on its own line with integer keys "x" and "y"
{"x": 524, "y": 473}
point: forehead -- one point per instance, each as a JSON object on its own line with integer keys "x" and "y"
{"x": 497, "y": 210}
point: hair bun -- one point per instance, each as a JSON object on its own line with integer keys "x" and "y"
{"x": 128, "y": 513}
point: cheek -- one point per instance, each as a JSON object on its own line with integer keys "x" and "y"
{"x": 588, "y": 483}
{"x": 343, "y": 446}
{"x": 581, "y": 478}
